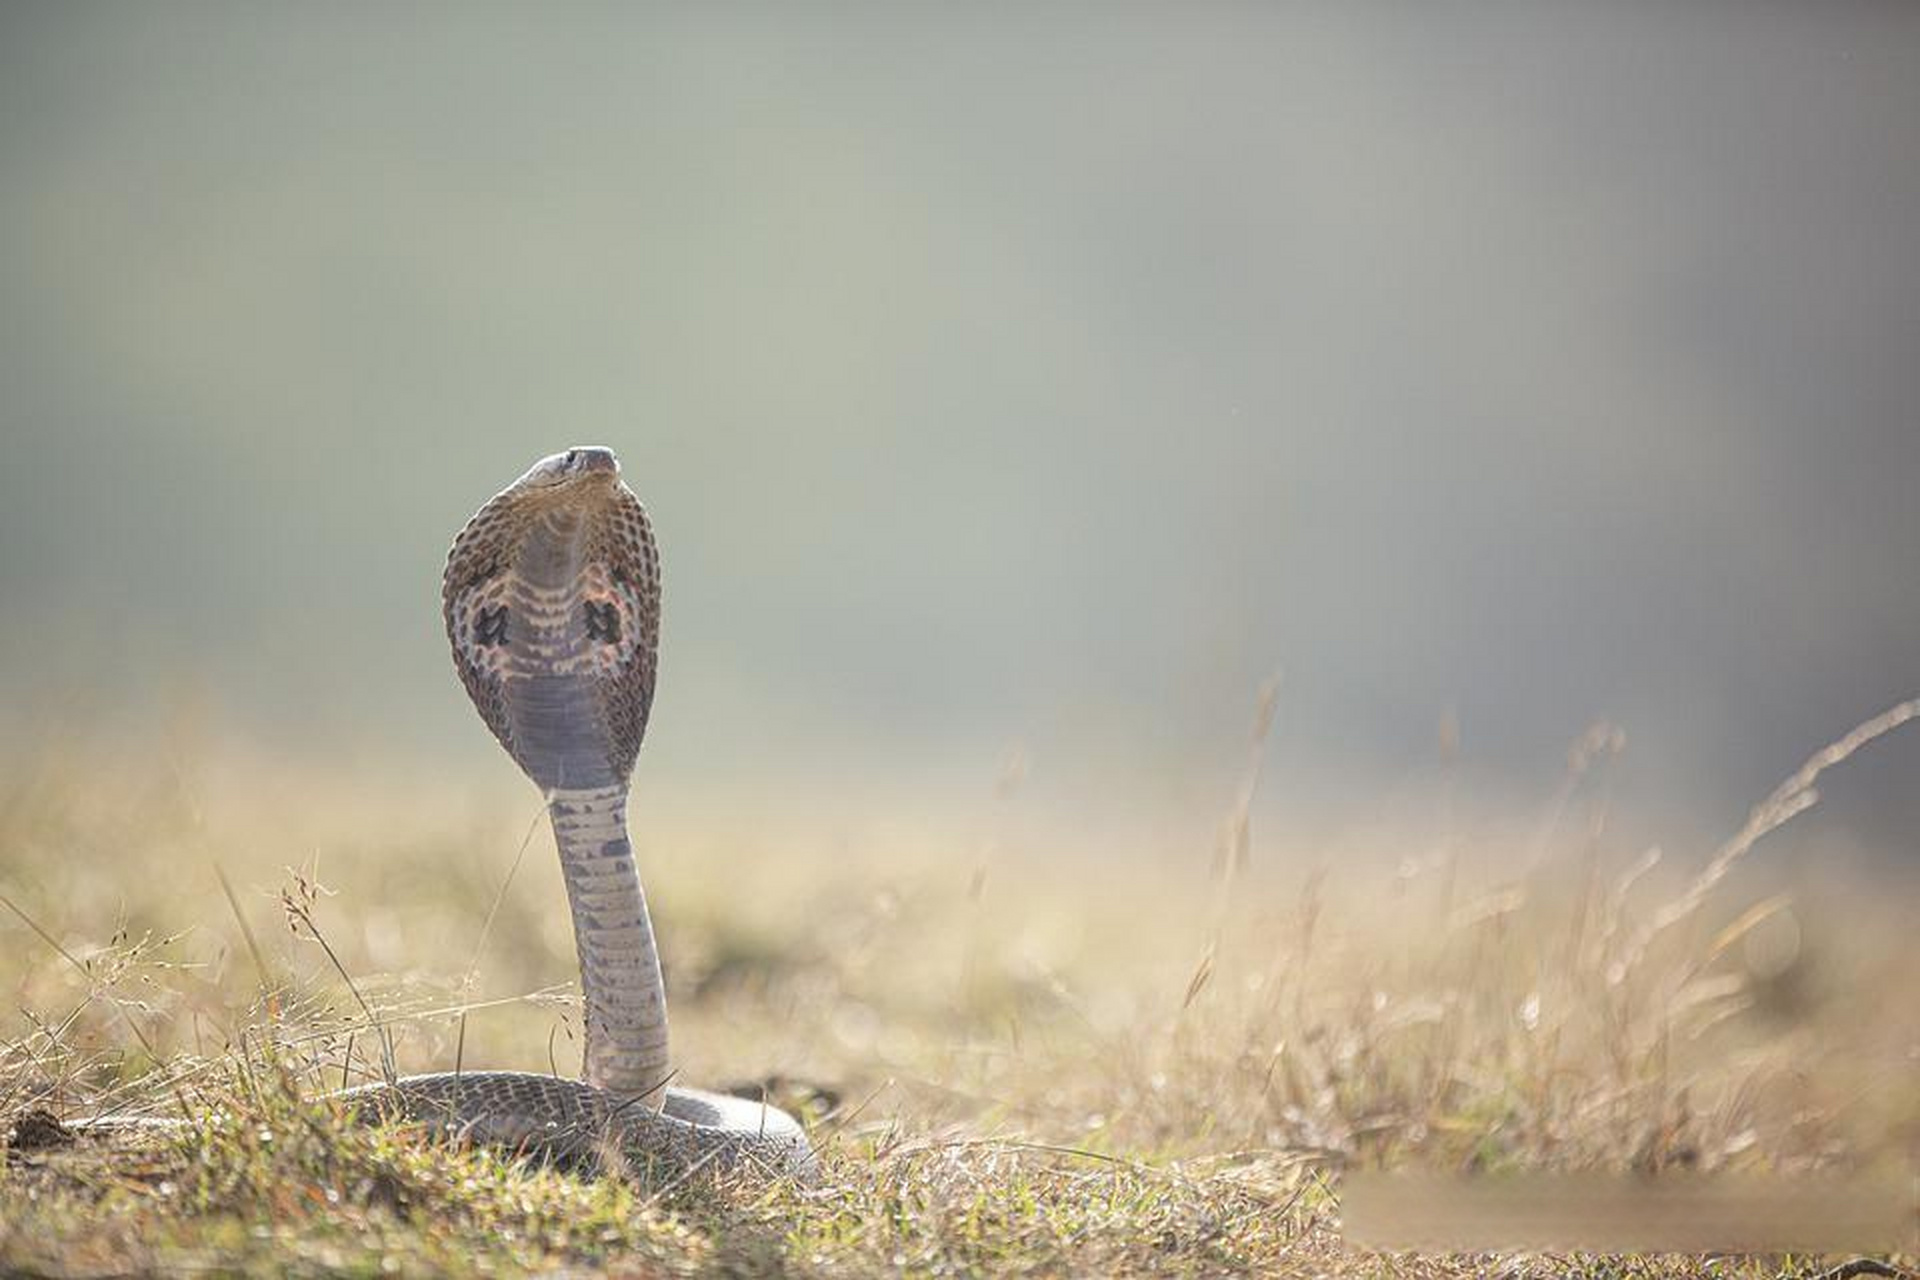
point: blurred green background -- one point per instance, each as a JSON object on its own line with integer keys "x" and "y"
{"x": 1006, "y": 382}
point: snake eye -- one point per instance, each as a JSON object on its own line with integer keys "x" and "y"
{"x": 491, "y": 627}
{"x": 603, "y": 622}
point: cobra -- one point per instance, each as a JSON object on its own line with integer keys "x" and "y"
{"x": 551, "y": 598}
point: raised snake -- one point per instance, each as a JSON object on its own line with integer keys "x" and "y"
{"x": 552, "y": 604}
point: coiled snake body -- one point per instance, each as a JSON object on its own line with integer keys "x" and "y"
{"x": 552, "y": 605}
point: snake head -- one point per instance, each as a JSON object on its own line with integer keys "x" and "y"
{"x": 582, "y": 462}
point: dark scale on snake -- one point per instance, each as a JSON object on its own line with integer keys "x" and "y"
{"x": 492, "y": 627}
{"x": 603, "y": 622}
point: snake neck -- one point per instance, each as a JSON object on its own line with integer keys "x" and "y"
{"x": 624, "y": 996}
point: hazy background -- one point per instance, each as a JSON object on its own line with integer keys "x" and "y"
{"x": 1003, "y": 380}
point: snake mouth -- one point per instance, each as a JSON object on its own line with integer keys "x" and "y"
{"x": 592, "y": 460}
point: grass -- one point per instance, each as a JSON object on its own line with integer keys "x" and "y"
{"x": 1017, "y": 1057}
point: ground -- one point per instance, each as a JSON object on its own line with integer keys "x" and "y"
{"x": 1019, "y": 1051}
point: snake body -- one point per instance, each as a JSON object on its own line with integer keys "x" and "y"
{"x": 551, "y": 599}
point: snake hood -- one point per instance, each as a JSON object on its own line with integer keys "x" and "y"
{"x": 552, "y": 606}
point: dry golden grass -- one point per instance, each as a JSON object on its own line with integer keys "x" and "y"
{"x": 1015, "y": 1059}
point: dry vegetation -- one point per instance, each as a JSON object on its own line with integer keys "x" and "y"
{"x": 1014, "y": 1060}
